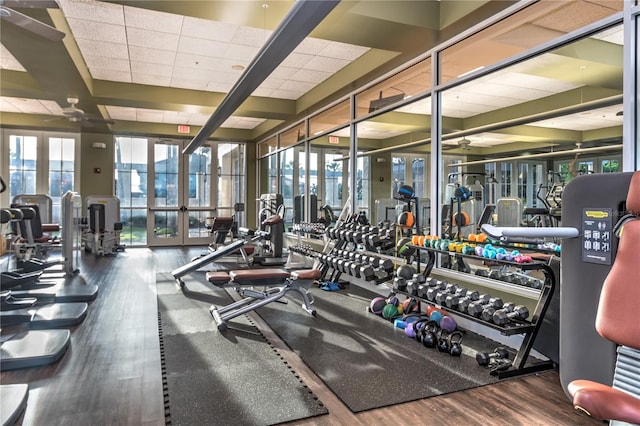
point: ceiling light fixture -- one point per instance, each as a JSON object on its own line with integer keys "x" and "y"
{"x": 237, "y": 67}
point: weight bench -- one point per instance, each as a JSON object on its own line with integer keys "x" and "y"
{"x": 277, "y": 282}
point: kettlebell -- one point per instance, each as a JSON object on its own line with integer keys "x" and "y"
{"x": 443, "y": 341}
{"x": 429, "y": 334}
{"x": 454, "y": 341}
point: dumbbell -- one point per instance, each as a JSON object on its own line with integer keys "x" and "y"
{"x": 441, "y": 296}
{"x": 367, "y": 272}
{"x": 422, "y": 290}
{"x": 412, "y": 287}
{"x": 485, "y": 358}
{"x": 463, "y": 303}
{"x": 461, "y": 295}
{"x": 475, "y": 308}
{"x": 399, "y": 284}
{"x": 354, "y": 269}
{"x": 386, "y": 264}
{"x": 509, "y": 312}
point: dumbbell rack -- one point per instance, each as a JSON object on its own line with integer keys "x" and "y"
{"x": 528, "y": 328}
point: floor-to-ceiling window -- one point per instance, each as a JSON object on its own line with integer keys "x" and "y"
{"x": 43, "y": 163}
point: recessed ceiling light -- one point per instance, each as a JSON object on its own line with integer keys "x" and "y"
{"x": 237, "y": 67}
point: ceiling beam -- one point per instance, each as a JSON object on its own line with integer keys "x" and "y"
{"x": 299, "y": 22}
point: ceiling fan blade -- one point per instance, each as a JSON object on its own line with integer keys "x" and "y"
{"x": 94, "y": 120}
{"x": 32, "y": 4}
{"x": 30, "y": 24}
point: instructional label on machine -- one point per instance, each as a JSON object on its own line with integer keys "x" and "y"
{"x": 596, "y": 238}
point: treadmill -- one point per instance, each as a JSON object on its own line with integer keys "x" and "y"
{"x": 16, "y": 311}
{"x": 13, "y": 401}
{"x": 28, "y": 284}
{"x": 32, "y": 348}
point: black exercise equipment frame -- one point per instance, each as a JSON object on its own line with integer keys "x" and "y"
{"x": 529, "y": 329}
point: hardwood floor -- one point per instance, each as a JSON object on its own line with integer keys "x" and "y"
{"x": 111, "y": 374}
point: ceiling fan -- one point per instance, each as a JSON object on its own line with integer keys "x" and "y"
{"x": 27, "y": 22}
{"x": 462, "y": 143}
{"x": 76, "y": 115}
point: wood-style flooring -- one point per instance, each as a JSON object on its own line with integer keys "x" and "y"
{"x": 111, "y": 374}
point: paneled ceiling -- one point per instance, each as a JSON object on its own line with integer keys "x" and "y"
{"x": 147, "y": 66}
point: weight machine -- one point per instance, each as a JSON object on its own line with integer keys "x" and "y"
{"x": 102, "y": 226}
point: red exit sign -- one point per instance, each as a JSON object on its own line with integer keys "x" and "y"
{"x": 183, "y": 128}
{"x": 334, "y": 140}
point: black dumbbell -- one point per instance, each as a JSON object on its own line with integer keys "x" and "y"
{"x": 386, "y": 264}
{"x": 485, "y": 358}
{"x": 509, "y": 312}
{"x": 441, "y": 296}
{"x": 482, "y": 273}
{"x": 475, "y": 308}
{"x": 422, "y": 290}
{"x": 465, "y": 302}
{"x": 412, "y": 287}
{"x": 367, "y": 272}
{"x": 354, "y": 269}
{"x": 399, "y": 284}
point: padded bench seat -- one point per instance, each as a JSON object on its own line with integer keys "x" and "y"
{"x": 248, "y": 277}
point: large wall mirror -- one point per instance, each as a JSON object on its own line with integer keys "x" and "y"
{"x": 523, "y": 132}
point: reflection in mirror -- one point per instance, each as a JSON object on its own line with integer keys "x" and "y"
{"x": 405, "y": 130}
{"x": 532, "y": 26}
{"x": 268, "y": 146}
{"x": 330, "y": 182}
{"x": 410, "y": 82}
{"x": 523, "y": 132}
{"x": 532, "y": 126}
{"x": 269, "y": 174}
{"x": 293, "y": 136}
{"x": 331, "y": 118}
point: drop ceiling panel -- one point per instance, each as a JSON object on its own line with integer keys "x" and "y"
{"x": 93, "y": 11}
{"x": 152, "y": 56}
{"x": 178, "y": 117}
{"x": 8, "y": 61}
{"x": 109, "y": 50}
{"x": 152, "y": 39}
{"x": 152, "y": 20}
{"x": 29, "y": 106}
{"x": 248, "y": 36}
{"x": 202, "y": 47}
{"x": 192, "y": 53}
{"x": 241, "y": 53}
{"x": 100, "y": 31}
{"x": 104, "y": 63}
{"x": 209, "y": 30}
{"x": 138, "y": 68}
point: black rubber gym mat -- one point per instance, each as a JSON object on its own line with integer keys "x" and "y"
{"x": 214, "y": 378}
{"x": 366, "y": 361}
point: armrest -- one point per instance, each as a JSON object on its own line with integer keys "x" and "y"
{"x": 604, "y": 402}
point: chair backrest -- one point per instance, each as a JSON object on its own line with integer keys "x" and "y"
{"x": 619, "y": 305}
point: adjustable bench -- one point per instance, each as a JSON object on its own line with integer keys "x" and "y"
{"x": 276, "y": 282}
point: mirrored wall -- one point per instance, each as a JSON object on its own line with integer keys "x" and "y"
{"x": 513, "y": 111}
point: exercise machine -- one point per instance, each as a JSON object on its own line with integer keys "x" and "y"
{"x": 23, "y": 349}
{"x": 271, "y": 219}
{"x": 102, "y": 226}
{"x": 617, "y": 322}
{"x": 276, "y": 282}
{"x": 219, "y": 227}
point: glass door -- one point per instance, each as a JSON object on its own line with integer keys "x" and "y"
{"x": 182, "y": 200}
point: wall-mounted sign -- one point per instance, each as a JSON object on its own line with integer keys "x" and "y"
{"x": 596, "y": 237}
{"x": 183, "y": 128}
{"x": 334, "y": 140}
